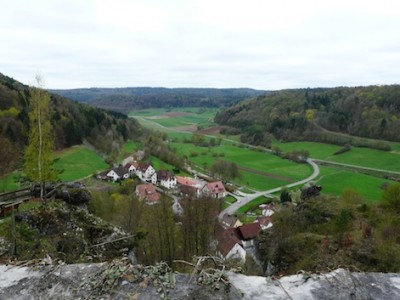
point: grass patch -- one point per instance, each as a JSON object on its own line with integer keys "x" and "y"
{"x": 246, "y": 219}
{"x": 335, "y": 180}
{"x": 316, "y": 150}
{"x": 230, "y": 199}
{"x": 365, "y": 157}
{"x": 10, "y": 182}
{"x": 78, "y": 162}
{"x": 128, "y": 149}
{"x": 253, "y": 204}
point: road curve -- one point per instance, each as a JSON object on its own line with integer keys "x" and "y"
{"x": 249, "y": 197}
{"x": 243, "y": 200}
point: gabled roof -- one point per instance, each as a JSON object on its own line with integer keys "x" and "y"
{"x": 165, "y": 175}
{"x": 229, "y": 220}
{"x": 188, "y": 190}
{"x": 143, "y": 166}
{"x": 227, "y": 239}
{"x": 135, "y": 164}
{"x": 216, "y": 187}
{"x": 148, "y": 192}
{"x": 104, "y": 173}
{"x": 249, "y": 231}
{"x": 121, "y": 171}
{"x": 190, "y": 182}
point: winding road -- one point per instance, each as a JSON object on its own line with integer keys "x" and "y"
{"x": 243, "y": 199}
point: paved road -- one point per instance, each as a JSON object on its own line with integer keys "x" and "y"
{"x": 246, "y": 198}
{"x": 329, "y": 162}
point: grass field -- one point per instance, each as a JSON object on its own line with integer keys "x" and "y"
{"x": 356, "y": 156}
{"x": 260, "y": 171}
{"x": 335, "y": 181}
{"x": 78, "y": 162}
{"x": 75, "y": 163}
{"x": 177, "y": 117}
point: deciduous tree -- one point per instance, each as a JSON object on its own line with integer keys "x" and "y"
{"x": 39, "y": 152}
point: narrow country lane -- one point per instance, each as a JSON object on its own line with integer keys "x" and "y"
{"x": 249, "y": 197}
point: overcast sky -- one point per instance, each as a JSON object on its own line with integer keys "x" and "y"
{"x": 207, "y": 43}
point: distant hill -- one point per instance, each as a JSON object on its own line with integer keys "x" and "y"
{"x": 320, "y": 114}
{"x": 131, "y": 98}
{"x": 72, "y": 122}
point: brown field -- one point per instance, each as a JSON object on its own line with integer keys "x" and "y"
{"x": 211, "y": 130}
{"x": 190, "y": 128}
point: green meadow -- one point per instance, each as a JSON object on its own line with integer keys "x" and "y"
{"x": 74, "y": 163}
{"x": 78, "y": 162}
{"x": 185, "y": 116}
{"x": 336, "y": 180}
{"x": 258, "y": 170}
{"x": 364, "y": 157}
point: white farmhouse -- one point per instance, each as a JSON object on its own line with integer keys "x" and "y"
{"x": 166, "y": 179}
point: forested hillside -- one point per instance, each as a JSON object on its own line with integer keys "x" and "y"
{"x": 127, "y": 99}
{"x": 315, "y": 114}
{"x": 72, "y": 123}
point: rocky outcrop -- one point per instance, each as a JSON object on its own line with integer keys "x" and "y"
{"x": 93, "y": 281}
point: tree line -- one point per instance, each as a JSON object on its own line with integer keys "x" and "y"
{"x": 134, "y": 98}
{"x": 167, "y": 236}
{"x": 71, "y": 123}
{"x": 333, "y": 115}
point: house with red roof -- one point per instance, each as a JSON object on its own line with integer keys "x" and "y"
{"x": 189, "y": 186}
{"x": 265, "y": 222}
{"x": 248, "y": 233}
{"x": 148, "y": 193}
{"x": 215, "y": 189}
{"x": 230, "y": 246}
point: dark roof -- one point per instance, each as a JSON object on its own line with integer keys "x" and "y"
{"x": 121, "y": 171}
{"x": 103, "y": 174}
{"x": 229, "y": 220}
{"x": 227, "y": 239}
{"x": 143, "y": 166}
{"x": 249, "y": 231}
{"x": 164, "y": 175}
{"x": 188, "y": 190}
{"x": 263, "y": 220}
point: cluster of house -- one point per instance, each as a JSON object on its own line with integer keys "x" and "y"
{"x": 147, "y": 191}
{"x": 236, "y": 240}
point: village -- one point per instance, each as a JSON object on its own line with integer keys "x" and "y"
{"x": 236, "y": 240}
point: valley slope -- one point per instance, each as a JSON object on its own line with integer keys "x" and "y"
{"x": 332, "y": 115}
